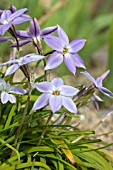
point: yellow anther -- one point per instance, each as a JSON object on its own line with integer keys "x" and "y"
{"x": 65, "y": 50}
{"x": 56, "y": 93}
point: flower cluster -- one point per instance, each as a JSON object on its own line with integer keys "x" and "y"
{"x": 55, "y": 93}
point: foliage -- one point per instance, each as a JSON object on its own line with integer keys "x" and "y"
{"x": 63, "y": 146}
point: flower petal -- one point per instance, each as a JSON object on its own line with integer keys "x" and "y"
{"x": 5, "y": 15}
{"x": 12, "y": 8}
{"x": 35, "y": 57}
{"x": 55, "y": 103}
{"x": 78, "y": 61}
{"x": 89, "y": 77}
{"x": 62, "y": 35}
{"x": 18, "y": 13}
{"x": 22, "y": 34}
{"x": 12, "y": 98}
{"x": 45, "y": 86}
{"x": 54, "y": 42}
{"x": 2, "y": 85}
{"x": 41, "y": 101}
{"x": 68, "y": 90}
{"x": 3, "y": 39}
{"x": 34, "y": 28}
{"x": 68, "y": 103}
{"x": 1, "y": 11}
{"x": 54, "y": 60}
{"x": 96, "y": 98}
{"x": 12, "y": 69}
{"x": 48, "y": 30}
{"x": 57, "y": 82}
{"x": 105, "y": 91}
{"x": 104, "y": 75}
{"x": 17, "y": 90}
{"x": 99, "y": 81}
{"x": 4, "y": 97}
{"x": 9, "y": 62}
{"x": 76, "y": 45}
{"x": 20, "y": 20}
{"x": 4, "y": 28}
{"x": 21, "y": 43}
{"x": 30, "y": 58}
{"x": 2, "y": 81}
{"x": 70, "y": 63}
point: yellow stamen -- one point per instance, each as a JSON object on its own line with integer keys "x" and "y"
{"x": 56, "y": 93}
{"x": 65, "y": 50}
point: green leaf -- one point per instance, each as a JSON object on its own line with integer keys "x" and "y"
{"x": 10, "y": 116}
{"x": 94, "y": 160}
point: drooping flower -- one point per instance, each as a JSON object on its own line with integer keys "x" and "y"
{"x": 98, "y": 83}
{"x": 56, "y": 94}
{"x": 6, "y": 89}
{"x": 9, "y": 18}
{"x": 17, "y": 63}
{"x": 34, "y": 34}
{"x": 64, "y": 51}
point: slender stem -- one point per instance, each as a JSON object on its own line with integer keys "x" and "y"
{"x": 45, "y": 72}
{"x": 23, "y": 118}
{"x": 44, "y": 130}
{"x": 48, "y": 53}
{"x": 13, "y": 33}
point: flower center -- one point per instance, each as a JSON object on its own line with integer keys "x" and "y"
{"x": 65, "y": 50}
{"x": 56, "y": 93}
{"x": 5, "y": 22}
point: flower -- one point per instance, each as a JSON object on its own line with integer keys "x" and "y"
{"x": 16, "y": 63}
{"x": 4, "y": 39}
{"x": 9, "y": 18}
{"x": 98, "y": 83}
{"x": 34, "y": 34}
{"x": 95, "y": 99}
{"x": 64, "y": 51}
{"x": 6, "y": 89}
{"x": 56, "y": 94}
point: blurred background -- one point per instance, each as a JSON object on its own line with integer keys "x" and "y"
{"x": 88, "y": 19}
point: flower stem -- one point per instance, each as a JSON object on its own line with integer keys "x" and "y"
{"x": 44, "y": 130}
{"x": 23, "y": 118}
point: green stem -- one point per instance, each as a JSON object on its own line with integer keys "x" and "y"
{"x": 23, "y": 118}
{"x": 44, "y": 130}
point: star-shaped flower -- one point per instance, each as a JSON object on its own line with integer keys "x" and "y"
{"x": 98, "y": 83}
{"x": 6, "y": 89}
{"x": 64, "y": 51}
{"x": 34, "y": 34}
{"x": 56, "y": 94}
{"x": 16, "y": 63}
{"x": 8, "y": 19}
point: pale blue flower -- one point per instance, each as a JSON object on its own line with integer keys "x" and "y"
{"x": 6, "y": 89}
{"x": 56, "y": 94}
